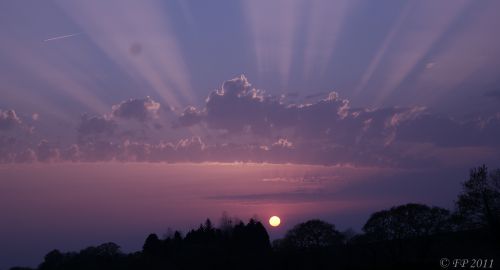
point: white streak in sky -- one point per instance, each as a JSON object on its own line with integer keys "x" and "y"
{"x": 61, "y": 37}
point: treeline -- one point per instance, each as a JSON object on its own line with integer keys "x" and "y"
{"x": 410, "y": 236}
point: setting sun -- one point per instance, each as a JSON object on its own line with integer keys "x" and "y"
{"x": 274, "y": 221}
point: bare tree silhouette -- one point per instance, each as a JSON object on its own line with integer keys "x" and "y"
{"x": 479, "y": 203}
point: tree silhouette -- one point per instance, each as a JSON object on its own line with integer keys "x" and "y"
{"x": 406, "y": 221}
{"x": 152, "y": 246}
{"x": 226, "y": 223}
{"x": 252, "y": 237}
{"x": 104, "y": 256}
{"x": 312, "y": 234}
{"x": 108, "y": 249}
{"x": 53, "y": 260}
{"x": 479, "y": 203}
{"x": 314, "y": 244}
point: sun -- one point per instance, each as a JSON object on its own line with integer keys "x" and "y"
{"x": 274, "y": 221}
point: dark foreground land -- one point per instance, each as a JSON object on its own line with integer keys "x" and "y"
{"x": 410, "y": 236}
{"x": 247, "y": 246}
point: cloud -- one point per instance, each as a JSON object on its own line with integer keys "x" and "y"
{"x": 185, "y": 150}
{"x": 6, "y": 148}
{"x": 96, "y": 125}
{"x": 189, "y": 117}
{"x": 14, "y": 135}
{"x": 247, "y": 125}
{"x": 306, "y": 179}
{"x": 283, "y": 143}
{"x": 132, "y": 119}
{"x": 405, "y": 116}
{"x": 26, "y": 156}
{"x": 137, "y": 109}
{"x": 244, "y": 124}
{"x": 296, "y": 196}
{"x": 72, "y": 153}
{"x": 97, "y": 150}
{"x": 46, "y": 153}
{"x": 329, "y": 131}
{"x": 191, "y": 149}
{"x": 134, "y": 151}
{"x": 248, "y": 107}
{"x": 237, "y": 107}
{"x": 9, "y": 120}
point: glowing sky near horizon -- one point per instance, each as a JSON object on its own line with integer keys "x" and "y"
{"x": 71, "y": 206}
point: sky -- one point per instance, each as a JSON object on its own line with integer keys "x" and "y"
{"x": 402, "y": 94}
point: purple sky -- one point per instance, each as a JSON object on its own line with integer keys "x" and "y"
{"x": 70, "y": 206}
{"x": 402, "y": 94}
{"x": 328, "y": 81}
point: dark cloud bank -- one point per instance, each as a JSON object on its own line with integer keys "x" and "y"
{"x": 241, "y": 123}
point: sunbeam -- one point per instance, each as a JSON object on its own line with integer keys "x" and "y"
{"x": 414, "y": 39}
{"x": 57, "y": 73}
{"x": 139, "y": 39}
{"x": 273, "y": 25}
{"x": 326, "y": 19}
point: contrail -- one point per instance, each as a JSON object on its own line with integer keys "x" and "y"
{"x": 61, "y": 37}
